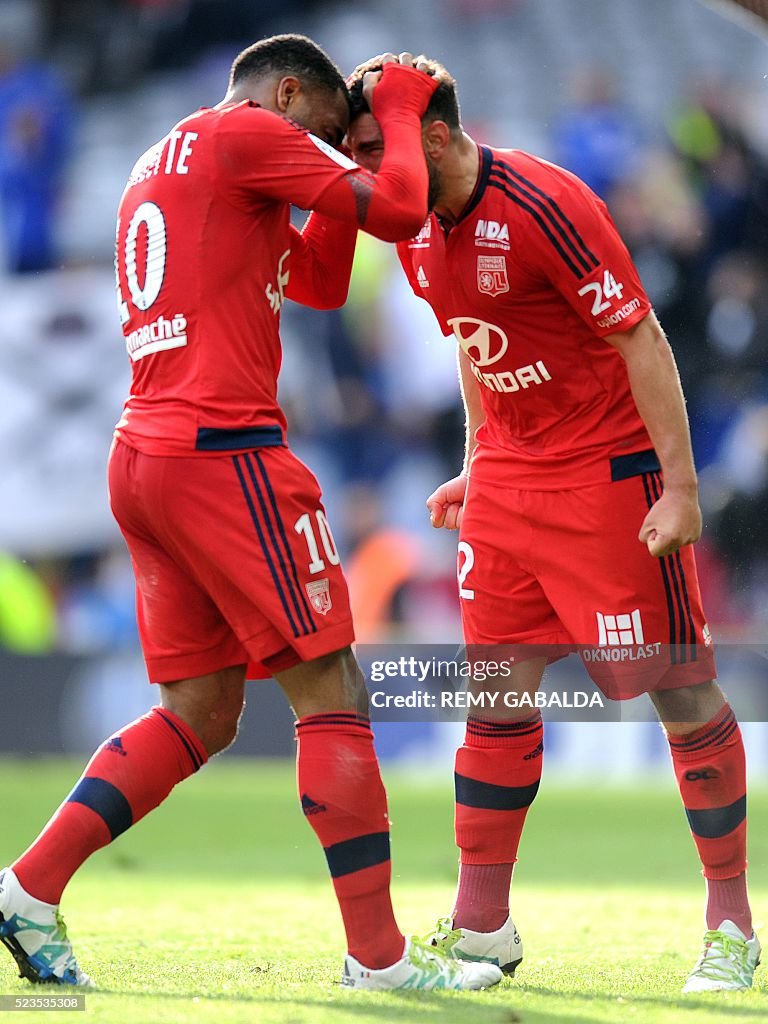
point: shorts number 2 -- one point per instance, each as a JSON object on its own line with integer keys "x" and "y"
{"x": 465, "y": 568}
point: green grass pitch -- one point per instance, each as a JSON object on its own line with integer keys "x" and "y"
{"x": 217, "y": 908}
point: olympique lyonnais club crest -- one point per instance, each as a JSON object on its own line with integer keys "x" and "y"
{"x": 319, "y": 595}
{"x": 492, "y": 275}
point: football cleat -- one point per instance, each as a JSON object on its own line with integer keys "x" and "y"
{"x": 728, "y": 961}
{"x": 421, "y": 967}
{"x": 503, "y": 948}
{"x": 36, "y": 937}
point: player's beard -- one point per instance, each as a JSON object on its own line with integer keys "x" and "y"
{"x": 434, "y": 188}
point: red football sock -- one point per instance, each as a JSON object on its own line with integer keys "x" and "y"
{"x": 498, "y": 771}
{"x": 127, "y": 777}
{"x": 482, "y": 896}
{"x": 343, "y": 799}
{"x": 711, "y": 772}
{"x": 728, "y": 900}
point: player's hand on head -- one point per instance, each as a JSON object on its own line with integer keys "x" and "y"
{"x": 406, "y": 59}
{"x": 372, "y": 78}
{"x": 673, "y": 521}
{"x": 446, "y": 503}
{"x": 420, "y": 62}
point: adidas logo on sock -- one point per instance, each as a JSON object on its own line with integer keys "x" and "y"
{"x": 310, "y": 806}
{"x": 116, "y": 746}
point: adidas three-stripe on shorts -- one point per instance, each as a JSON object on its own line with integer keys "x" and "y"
{"x": 566, "y": 568}
{"x": 234, "y": 561}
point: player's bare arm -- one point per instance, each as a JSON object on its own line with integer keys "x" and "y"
{"x": 675, "y": 519}
{"x": 446, "y": 503}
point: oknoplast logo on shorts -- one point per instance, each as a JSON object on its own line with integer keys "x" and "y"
{"x": 620, "y": 637}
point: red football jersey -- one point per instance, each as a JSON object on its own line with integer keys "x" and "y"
{"x": 204, "y": 254}
{"x": 531, "y": 280}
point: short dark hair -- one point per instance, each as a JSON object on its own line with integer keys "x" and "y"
{"x": 288, "y": 54}
{"x": 444, "y": 105}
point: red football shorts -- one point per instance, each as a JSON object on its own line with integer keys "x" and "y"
{"x": 234, "y": 561}
{"x": 566, "y": 568}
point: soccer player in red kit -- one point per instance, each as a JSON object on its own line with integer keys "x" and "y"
{"x": 233, "y": 555}
{"x": 577, "y": 508}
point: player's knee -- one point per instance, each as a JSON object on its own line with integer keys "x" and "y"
{"x": 212, "y": 712}
{"x": 688, "y": 707}
{"x": 215, "y": 728}
{"x": 339, "y": 662}
{"x": 220, "y": 731}
{"x": 331, "y": 682}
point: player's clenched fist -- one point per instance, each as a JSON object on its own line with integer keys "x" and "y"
{"x": 673, "y": 522}
{"x": 446, "y": 504}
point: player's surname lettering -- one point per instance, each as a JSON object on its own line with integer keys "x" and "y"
{"x": 176, "y": 158}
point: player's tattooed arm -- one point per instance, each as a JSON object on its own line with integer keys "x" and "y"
{"x": 393, "y": 204}
{"x": 362, "y": 189}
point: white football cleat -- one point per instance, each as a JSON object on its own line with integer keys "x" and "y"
{"x": 420, "y": 967}
{"x": 504, "y": 947}
{"x": 728, "y": 961}
{"x": 36, "y": 937}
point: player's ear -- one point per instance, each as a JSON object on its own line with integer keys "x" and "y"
{"x": 435, "y": 135}
{"x": 288, "y": 88}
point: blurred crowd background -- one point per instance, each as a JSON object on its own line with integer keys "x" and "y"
{"x": 660, "y": 106}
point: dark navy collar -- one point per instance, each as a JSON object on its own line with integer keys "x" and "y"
{"x": 485, "y": 158}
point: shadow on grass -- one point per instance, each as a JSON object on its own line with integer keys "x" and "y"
{"x": 677, "y": 1003}
{"x": 413, "y": 1007}
{"x": 404, "y": 1007}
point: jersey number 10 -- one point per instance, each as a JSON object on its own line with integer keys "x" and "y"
{"x": 143, "y": 296}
